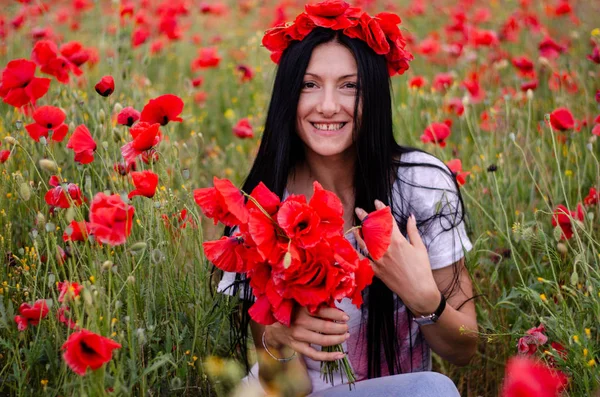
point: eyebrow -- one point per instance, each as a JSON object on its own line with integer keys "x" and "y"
{"x": 340, "y": 78}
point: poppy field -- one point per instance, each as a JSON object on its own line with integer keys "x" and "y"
{"x": 113, "y": 114}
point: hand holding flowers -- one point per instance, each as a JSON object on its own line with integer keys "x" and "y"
{"x": 404, "y": 267}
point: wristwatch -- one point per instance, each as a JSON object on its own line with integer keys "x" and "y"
{"x": 432, "y": 318}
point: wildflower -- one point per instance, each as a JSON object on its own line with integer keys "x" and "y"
{"x": 86, "y": 349}
{"x": 243, "y": 129}
{"x": 163, "y": 109}
{"x": 68, "y": 290}
{"x": 110, "y": 219}
{"x": 207, "y": 58}
{"x": 76, "y": 231}
{"x": 48, "y": 119}
{"x": 83, "y": 145}
{"x": 534, "y": 337}
{"x": 105, "y": 86}
{"x": 527, "y": 377}
{"x": 31, "y": 314}
{"x": 224, "y": 202}
{"x": 455, "y": 166}
{"x": 562, "y": 119}
{"x": 145, "y": 136}
{"x": 145, "y": 184}
{"x": 592, "y": 198}
{"x": 127, "y": 116}
{"x": 18, "y": 84}
{"x": 57, "y": 197}
{"x": 246, "y": 72}
{"x": 4, "y": 155}
{"x": 437, "y": 133}
{"x": 562, "y": 217}
{"x": 417, "y": 82}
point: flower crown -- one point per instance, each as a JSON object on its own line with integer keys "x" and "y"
{"x": 380, "y": 32}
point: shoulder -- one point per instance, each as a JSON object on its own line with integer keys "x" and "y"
{"x": 419, "y": 170}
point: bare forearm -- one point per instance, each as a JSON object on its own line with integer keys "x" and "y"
{"x": 453, "y": 336}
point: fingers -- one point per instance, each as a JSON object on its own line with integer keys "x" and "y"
{"x": 330, "y": 321}
{"x": 413, "y": 232}
{"x": 360, "y": 213}
{"x": 301, "y": 334}
{"x": 307, "y": 350}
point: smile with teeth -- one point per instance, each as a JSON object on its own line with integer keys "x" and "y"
{"x": 328, "y": 126}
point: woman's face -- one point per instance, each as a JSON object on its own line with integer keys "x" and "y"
{"x": 326, "y": 106}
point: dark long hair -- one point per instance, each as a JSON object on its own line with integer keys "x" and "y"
{"x": 378, "y": 158}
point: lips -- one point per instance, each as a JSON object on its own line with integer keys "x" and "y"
{"x": 329, "y": 126}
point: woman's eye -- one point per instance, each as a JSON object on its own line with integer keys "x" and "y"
{"x": 308, "y": 84}
{"x": 352, "y": 86}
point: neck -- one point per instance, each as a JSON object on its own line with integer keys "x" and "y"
{"x": 334, "y": 173}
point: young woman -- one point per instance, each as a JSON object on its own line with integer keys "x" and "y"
{"x": 330, "y": 120}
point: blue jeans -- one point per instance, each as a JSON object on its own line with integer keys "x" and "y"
{"x": 417, "y": 384}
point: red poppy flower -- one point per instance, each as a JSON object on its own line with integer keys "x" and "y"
{"x": 529, "y": 85}
{"x": 63, "y": 318}
{"x": 163, "y": 109}
{"x": 527, "y": 377}
{"x": 455, "y": 166}
{"x": 110, "y": 219}
{"x": 243, "y": 129}
{"x": 524, "y": 65}
{"x": 207, "y": 58}
{"x": 534, "y": 337}
{"x": 68, "y": 290}
{"x": 145, "y": 184}
{"x": 139, "y": 36}
{"x": 436, "y": 133}
{"x": 562, "y": 119}
{"x": 364, "y": 276}
{"x": 4, "y": 155}
{"x": 57, "y": 197}
{"x": 454, "y": 105}
{"x": 261, "y": 312}
{"x": 18, "y": 84}
{"x": 442, "y": 81}
{"x": 246, "y": 72}
{"x": 597, "y": 96}
{"x": 31, "y": 314}
{"x": 595, "y": 55}
{"x": 299, "y": 221}
{"x": 105, "y": 86}
{"x": 562, "y": 217}
{"x": 76, "y": 231}
{"x": 76, "y": 54}
{"x": 128, "y": 116}
{"x": 376, "y": 231}
{"x": 223, "y": 203}
{"x": 550, "y": 49}
{"x": 48, "y": 120}
{"x": 417, "y": 82}
{"x": 82, "y": 144}
{"x": 145, "y": 136}
{"x": 197, "y": 81}
{"x": 330, "y": 210}
{"x": 86, "y": 349}
{"x": 228, "y": 253}
{"x": 592, "y": 198}
{"x": 45, "y": 54}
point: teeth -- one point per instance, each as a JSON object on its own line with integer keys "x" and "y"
{"x": 329, "y": 126}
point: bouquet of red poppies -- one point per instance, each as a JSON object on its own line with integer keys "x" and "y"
{"x": 293, "y": 252}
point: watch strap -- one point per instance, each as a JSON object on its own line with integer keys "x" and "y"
{"x": 432, "y": 318}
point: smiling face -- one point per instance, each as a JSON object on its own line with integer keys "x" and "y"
{"x": 326, "y": 106}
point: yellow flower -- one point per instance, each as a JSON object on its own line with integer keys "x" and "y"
{"x": 585, "y": 352}
{"x": 568, "y": 173}
{"x": 543, "y": 298}
{"x": 92, "y": 279}
{"x": 591, "y": 363}
{"x": 44, "y": 382}
{"x": 576, "y": 339}
{"x": 588, "y": 333}
{"x": 541, "y": 279}
{"x": 596, "y": 32}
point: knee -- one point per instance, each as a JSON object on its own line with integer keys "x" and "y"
{"x": 439, "y": 385}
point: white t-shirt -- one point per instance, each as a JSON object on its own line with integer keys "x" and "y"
{"x": 425, "y": 191}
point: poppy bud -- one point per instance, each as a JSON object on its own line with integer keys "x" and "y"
{"x": 105, "y": 86}
{"x": 10, "y": 140}
{"x": 48, "y": 165}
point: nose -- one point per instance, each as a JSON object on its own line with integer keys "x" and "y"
{"x": 329, "y": 103}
